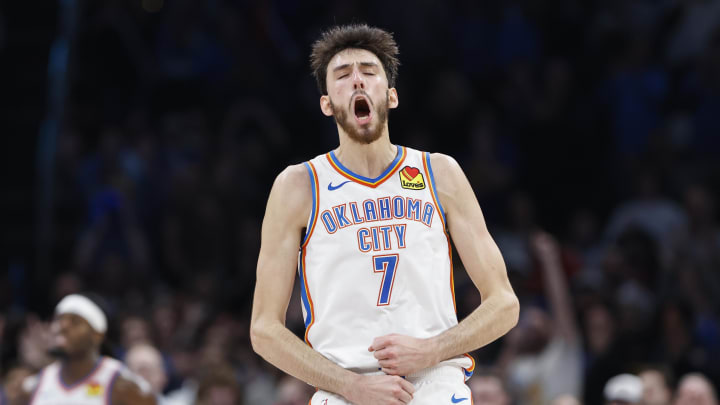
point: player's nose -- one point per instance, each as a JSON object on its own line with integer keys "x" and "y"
{"x": 358, "y": 80}
{"x": 59, "y": 326}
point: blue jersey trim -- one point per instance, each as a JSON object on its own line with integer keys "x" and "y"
{"x": 390, "y": 168}
{"x": 434, "y": 186}
{"x": 111, "y": 385}
{"x": 313, "y": 180}
{"x": 303, "y": 295}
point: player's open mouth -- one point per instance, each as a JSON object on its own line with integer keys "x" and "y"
{"x": 361, "y": 108}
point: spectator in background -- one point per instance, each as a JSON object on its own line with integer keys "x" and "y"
{"x": 565, "y": 400}
{"x": 676, "y": 343}
{"x": 696, "y": 274}
{"x": 184, "y": 360}
{"x": 695, "y": 389}
{"x": 146, "y": 361}
{"x": 542, "y": 357}
{"x": 291, "y": 391}
{"x": 513, "y": 239}
{"x": 488, "y": 389}
{"x": 34, "y": 341}
{"x": 652, "y": 213}
{"x": 13, "y": 384}
{"x": 134, "y": 330}
{"x": 634, "y": 94}
{"x": 623, "y": 389}
{"x": 604, "y": 354}
{"x": 218, "y": 386}
{"x": 656, "y": 386}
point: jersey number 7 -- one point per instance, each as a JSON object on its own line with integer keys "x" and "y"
{"x": 387, "y": 265}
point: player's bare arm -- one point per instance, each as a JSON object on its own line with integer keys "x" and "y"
{"x": 547, "y": 250}
{"x": 498, "y": 313}
{"x": 127, "y": 392}
{"x": 286, "y": 216}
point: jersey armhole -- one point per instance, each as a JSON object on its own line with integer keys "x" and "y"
{"x": 433, "y": 185}
{"x": 315, "y": 201}
{"x": 111, "y": 386}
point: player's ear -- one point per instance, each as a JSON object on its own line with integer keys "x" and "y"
{"x": 98, "y": 338}
{"x": 326, "y": 106}
{"x": 393, "y": 100}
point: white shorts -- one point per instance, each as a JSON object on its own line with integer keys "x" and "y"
{"x": 442, "y": 384}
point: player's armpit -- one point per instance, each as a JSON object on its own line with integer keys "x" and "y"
{"x": 127, "y": 392}
{"x": 286, "y": 214}
{"x": 481, "y": 258}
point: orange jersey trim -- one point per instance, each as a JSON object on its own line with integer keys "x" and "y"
{"x": 373, "y": 183}
{"x": 433, "y": 193}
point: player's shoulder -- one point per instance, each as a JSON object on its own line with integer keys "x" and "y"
{"x": 111, "y": 362}
{"x": 128, "y": 391}
{"x": 291, "y": 194}
{"x": 444, "y": 166}
{"x": 124, "y": 376}
{"x": 293, "y": 177}
{"x": 128, "y": 382}
{"x": 130, "y": 388}
{"x": 448, "y": 176}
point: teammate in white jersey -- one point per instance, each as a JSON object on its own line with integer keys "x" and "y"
{"x": 370, "y": 219}
{"x": 82, "y": 376}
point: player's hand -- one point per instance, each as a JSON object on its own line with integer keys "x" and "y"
{"x": 402, "y": 355}
{"x": 379, "y": 390}
{"x": 546, "y": 249}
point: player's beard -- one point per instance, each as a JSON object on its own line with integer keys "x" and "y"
{"x": 363, "y": 135}
{"x": 58, "y": 353}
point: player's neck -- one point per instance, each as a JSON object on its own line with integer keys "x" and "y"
{"x": 369, "y": 160}
{"x": 75, "y": 369}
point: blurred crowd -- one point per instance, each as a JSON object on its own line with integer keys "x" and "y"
{"x": 596, "y": 122}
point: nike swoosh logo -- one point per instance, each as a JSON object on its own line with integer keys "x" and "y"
{"x": 456, "y": 400}
{"x": 331, "y": 187}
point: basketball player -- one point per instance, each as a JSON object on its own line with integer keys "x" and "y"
{"x": 370, "y": 219}
{"x": 82, "y": 376}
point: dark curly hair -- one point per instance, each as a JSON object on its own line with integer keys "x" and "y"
{"x": 361, "y": 36}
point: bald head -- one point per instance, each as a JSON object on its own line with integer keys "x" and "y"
{"x": 565, "y": 400}
{"x": 146, "y": 361}
{"x": 695, "y": 389}
{"x": 655, "y": 387}
{"x": 489, "y": 389}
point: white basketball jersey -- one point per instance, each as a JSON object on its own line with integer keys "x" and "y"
{"x": 94, "y": 389}
{"x": 375, "y": 259}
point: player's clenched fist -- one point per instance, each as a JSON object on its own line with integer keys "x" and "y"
{"x": 402, "y": 355}
{"x": 379, "y": 390}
